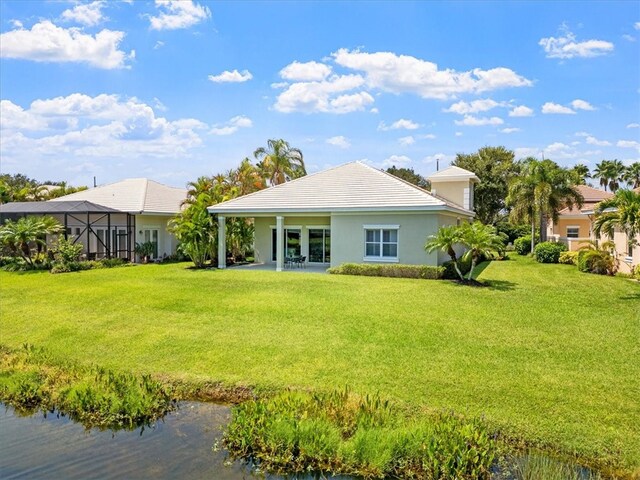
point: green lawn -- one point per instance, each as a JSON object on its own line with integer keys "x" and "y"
{"x": 547, "y": 353}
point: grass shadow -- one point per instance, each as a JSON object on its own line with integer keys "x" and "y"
{"x": 500, "y": 285}
{"x": 632, "y": 296}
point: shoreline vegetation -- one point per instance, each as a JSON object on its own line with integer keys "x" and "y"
{"x": 536, "y": 362}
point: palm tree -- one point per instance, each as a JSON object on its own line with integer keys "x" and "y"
{"x": 580, "y": 173}
{"x": 610, "y": 173}
{"x": 280, "y": 162}
{"x": 622, "y": 211}
{"x": 618, "y": 171}
{"x": 522, "y": 201}
{"x": 481, "y": 241}
{"x": 445, "y": 240}
{"x": 603, "y": 172}
{"x": 632, "y": 175}
{"x": 19, "y": 236}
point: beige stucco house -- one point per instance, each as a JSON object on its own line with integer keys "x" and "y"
{"x": 350, "y": 213}
{"x": 575, "y": 227}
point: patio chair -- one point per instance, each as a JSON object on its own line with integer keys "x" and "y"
{"x": 300, "y": 261}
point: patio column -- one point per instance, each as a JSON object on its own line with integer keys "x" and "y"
{"x": 279, "y": 243}
{"x": 222, "y": 242}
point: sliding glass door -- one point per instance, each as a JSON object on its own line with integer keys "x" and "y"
{"x": 319, "y": 245}
{"x": 292, "y": 243}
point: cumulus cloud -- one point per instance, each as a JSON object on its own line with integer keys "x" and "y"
{"x": 177, "y": 14}
{"x": 88, "y": 14}
{"x": 338, "y": 141}
{"x": 324, "y": 96}
{"x": 521, "y": 111}
{"x": 510, "y": 130}
{"x": 636, "y": 25}
{"x": 81, "y": 126}
{"x": 395, "y": 160}
{"x": 46, "y": 42}
{"x": 554, "y": 108}
{"x": 402, "y": 124}
{"x": 582, "y": 105}
{"x": 458, "y": 134}
{"x": 594, "y": 141}
{"x": 406, "y": 141}
{"x": 474, "y": 106}
{"x": 629, "y": 38}
{"x": 439, "y": 157}
{"x": 231, "y": 77}
{"x": 232, "y": 126}
{"x": 306, "y": 72}
{"x": 628, "y": 144}
{"x": 394, "y": 73}
{"x": 471, "y": 121}
{"x": 566, "y": 46}
{"x": 633, "y": 125}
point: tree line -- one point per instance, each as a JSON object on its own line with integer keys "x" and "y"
{"x": 20, "y": 188}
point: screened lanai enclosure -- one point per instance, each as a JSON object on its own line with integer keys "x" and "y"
{"x": 103, "y": 232}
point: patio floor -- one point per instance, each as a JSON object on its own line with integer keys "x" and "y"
{"x": 271, "y": 267}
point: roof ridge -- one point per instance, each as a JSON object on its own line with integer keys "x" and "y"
{"x": 144, "y": 194}
{"x": 402, "y": 180}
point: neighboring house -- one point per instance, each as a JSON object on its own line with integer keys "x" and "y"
{"x": 110, "y": 219}
{"x": 350, "y": 213}
{"x": 575, "y": 227}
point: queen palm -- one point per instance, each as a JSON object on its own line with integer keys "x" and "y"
{"x": 610, "y": 173}
{"x": 280, "y": 162}
{"x": 445, "y": 240}
{"x": 632, "y": 175}
{"x": 580, "y": 173}
{"x": 622, "y": 211}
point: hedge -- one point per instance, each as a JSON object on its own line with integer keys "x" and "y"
{"x": 549, "y": 252}
{"x": 426, "y": 272}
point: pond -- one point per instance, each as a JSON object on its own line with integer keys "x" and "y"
{"x": 178, "y": 446}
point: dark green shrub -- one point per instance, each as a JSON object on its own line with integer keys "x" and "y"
{"x": 522, "y": 245}
{"x": 450, "y": 271}
{"x": 568, "y": 258}
{"x": 549, "y": 252}
{"x": 513, "y": 232}
{"x": 595, "y": 261}
{"x": 113, "y": 262}
{"x": 65, "y": 251}
{"x": 426, "y": 272}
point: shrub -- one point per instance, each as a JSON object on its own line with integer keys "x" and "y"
{"x": 549, "y": 252}
{"x": 522, "y": 245}
{"x": 65, "y": 251}
{"x": 427, "y": 272}
{"x": 599, "y": 262}
{"x": 88, "y": 265}
{"x": 568, "y": 258}
{"x": 113, "y": 262}
{"x": 635, "y": 272}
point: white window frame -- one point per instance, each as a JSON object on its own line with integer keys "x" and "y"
{"x": 573, "y": 227}
{"x": 381, "y": 258}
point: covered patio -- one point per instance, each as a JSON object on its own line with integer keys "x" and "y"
{"x": 270, "y": 267}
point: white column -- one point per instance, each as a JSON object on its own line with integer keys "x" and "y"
{"x": 222, "y": 242}
{"x": 279, "y": 243}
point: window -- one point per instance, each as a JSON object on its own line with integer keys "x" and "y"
{"x": 381, "y": 243}
{"x": 573, "y": 232}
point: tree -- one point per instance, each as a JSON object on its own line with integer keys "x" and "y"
{"x": 580, "y": 173}
{"x": 408, "y": 175}
{"x": 610, "y": 173}
{"x": 495, "y": 167}
{"x": 521, "y": 199}
{"x": 621, "y": 211}
{"x": 197, "y": 231}
{"x": 445, "y": 240}
{"x": 280, "y": 162}
{"x": 28, "y": 235}
{"x": 480, "y": 240}
{"x": 632, "y": 175}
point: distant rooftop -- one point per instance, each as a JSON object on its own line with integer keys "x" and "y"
{"x": 44, "y": 208}
{"x": 453, "y": 173}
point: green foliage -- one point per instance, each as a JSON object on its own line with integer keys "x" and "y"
{"x": 568, "y": 258}
{"x": 522, "y": 245}
{"x": 427, "y": 272}
{"x": 513, "y": 231}
{"x": 145, "y": 250}
{"x": 31, "y": 379}
{"x": 344, "y": 433}
{"x": 280, "y": 162}
{"x": 20, "y": 188}
{"x": 611, "y": 173}
{"x": 538, "y": 467}
{"x": 549, "y": 252}
{"x": 597, "y": 258}
{"x": 632, "y": 175}
{"x": 66, "y": 251}
{"x": 495, "y": 167}
{"x": 635, "y": 272}
{"x": 620, "y": 212}
{"x": 450, "y": 269}
{"x": 446, "y": 239}
{"x": 27, "y": 238}
{"x": 409, "y": 175}
{"x": 78, "y": 266}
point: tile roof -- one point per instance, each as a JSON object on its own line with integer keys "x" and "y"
{"x": 133, "y": 195}
{"x": 592, "y": 196}
{"x": 74, "y": 206}
{"x": 353, "y": 186}
{"x": 453, "y": 173}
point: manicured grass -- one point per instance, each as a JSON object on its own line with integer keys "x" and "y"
{"x": 547, "y": 353}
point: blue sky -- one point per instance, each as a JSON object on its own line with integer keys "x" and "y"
{"x": 175, "y": 90}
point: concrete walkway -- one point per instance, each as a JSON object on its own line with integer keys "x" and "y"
{"x": 271, "y": 267}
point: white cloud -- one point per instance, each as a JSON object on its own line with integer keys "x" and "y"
{"x": 306, "y": 72}
{"x": 471, "y": 121}
{"x": 628, "y": 144}
{"x": 566, "y": 46}
{"x": 46, "y": 42}
{"x": 159, "y": 44}
{"x": 582, "y": 134}
{"x": 323, "y": 96}
{"x": 521, "y": 111}
{"x": 374, "y": 110}
{"x": 582, "y": 105}
{"x": 395, "y": 160}
{"x": 524, "y": 152}
{"x": 475, "y": 106}
{"x": 277, "y": 85}
{"x": 633, "y": 125}
{"x": 88, "y": 14}
{"x": 550, "y": 108}
{"x": 458, "y": 134}
{"x": 176, "y": 14}
{"x": 629, "y": 38}
{"x": 79, "y": 126}
{"x": 231, "y": 77}
{"x": 428, "y": 136}
{"x": 394, "y": 73}
{"x": 439, "y": 157}
{"x": 510, "y": 130}
{"x": 403, "y": 124}
{"x": 16, "y": 23}
{"x": 406, "y": 141}
{"x": 636, "y": 25}
{"x": 232, "y": 126}
{"x": 594, "y": 141}
{"x": 339, "y": 141}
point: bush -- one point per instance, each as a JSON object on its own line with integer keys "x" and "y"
{"x": 549, "y": 252}
{"x": 599, "y": 262}
{"x": 90, "y": 265}
{"x": 427, "y": 272}
{"x": 113, "y": 262}
{"x": 568, "y": 258}
{"x": 65, "y": 251}
{"x": 635, "y": 272}
{"x": 522, "y": 245}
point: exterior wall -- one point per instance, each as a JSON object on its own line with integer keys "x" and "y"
{"x": 263, "y": 235}
{"x": 347, "y": 232}
{"x": 626, "y": 262}
{"x": 458, "y": 192}
{"x": 558, "y": 231}
{"x": 167, "y": 242}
